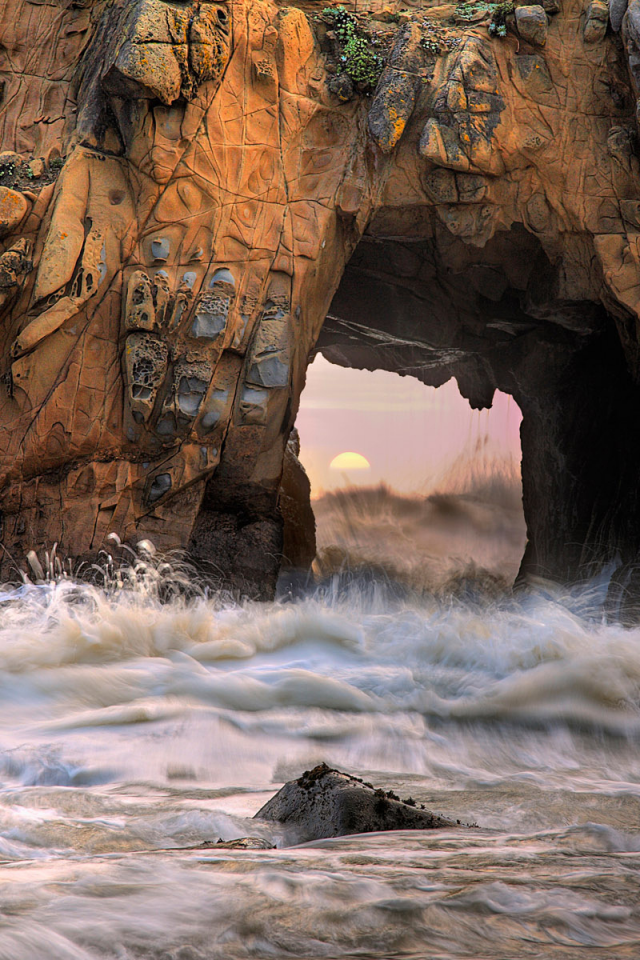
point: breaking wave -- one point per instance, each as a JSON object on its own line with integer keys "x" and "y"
{"x": 467, "y": 533}
{"x": 146, "y": 716}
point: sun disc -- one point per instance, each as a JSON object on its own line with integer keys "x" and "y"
{"x": 349, "y": 461}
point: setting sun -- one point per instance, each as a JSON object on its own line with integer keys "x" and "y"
{"x": 349, "y": 461}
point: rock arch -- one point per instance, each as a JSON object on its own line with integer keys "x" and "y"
{"x": 203, "y": 175}
{"x": 492, "y": 321}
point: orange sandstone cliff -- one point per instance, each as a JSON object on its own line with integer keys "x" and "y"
{"x": 196, "y": 196}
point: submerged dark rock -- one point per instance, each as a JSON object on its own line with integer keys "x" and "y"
{"x": 240, "y": 843}
{"x": 327, "y": 803}
{"x": 244, "y": 843}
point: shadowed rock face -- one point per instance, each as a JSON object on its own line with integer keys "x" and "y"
{"x": 211, "y": 182}
{"x": 327, "y": 803}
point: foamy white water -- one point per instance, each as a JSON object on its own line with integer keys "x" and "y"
{"x": 133, "y": 731}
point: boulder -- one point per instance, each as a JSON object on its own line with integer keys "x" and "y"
{"x": 327, "y": 803}
{"x": 36, "y": 168}
{"x": 617, "y": 10}
{"x": 532, "y": 24}
{"x": 596, "y": 23}
{"x": 13, "y": 209}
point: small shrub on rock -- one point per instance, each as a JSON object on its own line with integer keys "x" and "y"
{"x": 357, "y": 58}
{"x": 498, "y": 25}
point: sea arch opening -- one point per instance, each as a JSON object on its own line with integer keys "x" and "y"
{"x": 505, "y": 318}
{"x": 408, "y": 483}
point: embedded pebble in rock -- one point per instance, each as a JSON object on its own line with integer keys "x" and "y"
{"x": 532, "y": 24}
{"x": 597, "y": 21}
{"x": 13, "y": 209}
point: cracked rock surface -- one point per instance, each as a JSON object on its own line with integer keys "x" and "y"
{"x": 185, "y": 188}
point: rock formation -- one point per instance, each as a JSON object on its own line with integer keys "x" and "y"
{"x": 188, "y": 189}
{"x": 327, "y": 803}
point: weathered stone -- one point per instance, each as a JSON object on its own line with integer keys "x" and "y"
{"x": 617, "y": 10}
{"x": 341, "y": 87}
{"x": 474, "y": 224}
{"x": 440, "y": 185}
{"x": 533, "y": 79}
{"x": 145, "y": 367}
{"x": 327, "y": 803}
{"x": 299, "y": 530}
{"x": 140, "y": 311}
{"x": 53, "y": 158}
{"x": 397, "y": 90}
{"x": 532, "y": 24}
{"x": 160, "y": 485}
{"x": 393, "y": 105}
{"x": 167, "y": 51}
{"x": 538, "y": 213}
{"x": 622, "y": 144}
{"x": 9, "y": 158}
{"x": 13, "y": 209}
{"x": 212, "y": 195}
{"x": 36, "y": 168}
{"x": 191, "y": 381}
{"x": 466, "y": 113}
{"x": 15, "y": 265}
{"x": 160, "y": 248}
{"x": 596, "y": 22}
{"x": 243, "y": 843}
{"x": 471, "y": 189}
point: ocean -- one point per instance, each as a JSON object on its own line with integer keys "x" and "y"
{"x": 143, "y": 717}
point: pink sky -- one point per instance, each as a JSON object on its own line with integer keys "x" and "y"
{"x": 409, "y": 433}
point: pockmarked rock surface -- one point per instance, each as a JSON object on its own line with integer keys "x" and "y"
{"x": 327, "y": 803}
{"x": 194, "y": 197}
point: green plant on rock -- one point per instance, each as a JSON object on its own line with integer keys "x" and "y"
{"x": 343, "y": 24}
{"x": 437, "y": 41}
{"x": 498, "y": 25}
{"x": 361, "y": 63}
{"x": 431, "y": 46}
{"x": 499, "y": 13}
{"x": 358, "y": 60}
{"x": 467, "y": 11}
